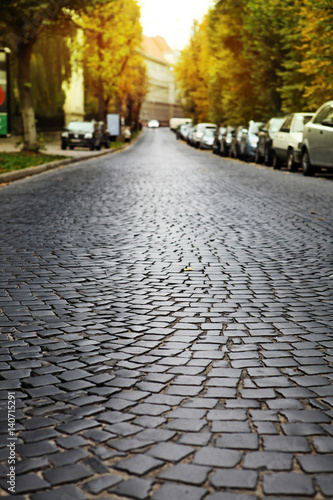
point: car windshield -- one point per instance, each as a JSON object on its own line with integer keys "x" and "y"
{"x": 80, "y": 127}
{"x": 209, "y": 132}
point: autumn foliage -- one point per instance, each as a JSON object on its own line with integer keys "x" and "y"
{"x": 114, "y": 71}
{"x": 253, "y": 59}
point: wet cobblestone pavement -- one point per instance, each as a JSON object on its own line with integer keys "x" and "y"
{"x": 166, "y": 329}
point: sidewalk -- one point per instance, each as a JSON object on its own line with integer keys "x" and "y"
{"x": 52, "y": 147}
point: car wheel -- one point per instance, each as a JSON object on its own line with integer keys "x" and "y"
{"x": 71, "y": 147}
{"x": 63, "y": 146}
{"x": 268, "y": 157}
{"x": 291, "y": 165}
{"x": 307, "y": 168}
{"x": 276, "y": 161}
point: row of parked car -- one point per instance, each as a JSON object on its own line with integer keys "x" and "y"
{"x": 298, "y": 139}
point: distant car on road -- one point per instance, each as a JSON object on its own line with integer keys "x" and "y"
{"x": 153, "y": 124}
{"x": 266, "y": 134}
{"x": 82, "y": 134}
{"x": 317, "y": 146}
{"x": 286, "y": 147}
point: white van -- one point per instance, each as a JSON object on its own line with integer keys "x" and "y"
{"x": 174, "y": 122}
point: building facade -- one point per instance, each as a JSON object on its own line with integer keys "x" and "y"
{"x": 161, "y": 101}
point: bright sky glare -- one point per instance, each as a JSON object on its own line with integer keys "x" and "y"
{"x": 172, "y": 19}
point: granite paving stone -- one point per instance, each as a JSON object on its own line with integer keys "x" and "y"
{"x": 179, "y": 492}
{"x": 325, "y": 484}
{"x": 28, "y": 483}
{"x": 68, "y": 492}
{"x": 286, "y": 483}
{"x": 316, "y": 463}
{"x": 38, "y": 449}
{"x": 133, "y": 488}
{"x": 295, "y": 444}
{"x": 238, "y": 441}
{"x": 30, "y": 464}
{"x": 231, "y": 496}
{"x": 66, "y": 474}
{"x": 323, "y": 444}
{"x": 96, "y": 486}
{"x": 234, "y": 479}
{"x": 186, "y": 473}
{"x": 170, "y": 451}
{"x": 268, "y": 460}
{"x": 215, "y": 457}
{"x": 139, "y": 464}
{"x": 129, "y": 444}
{"x": 68, "y": 457}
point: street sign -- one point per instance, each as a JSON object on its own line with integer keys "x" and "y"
{"x": 4, "y": 93}
{"x": 113, "y": 124}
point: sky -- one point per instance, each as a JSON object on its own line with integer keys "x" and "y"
{"x": 172, "y": 19}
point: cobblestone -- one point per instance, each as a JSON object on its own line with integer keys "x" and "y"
{"x": 136, "y": 378}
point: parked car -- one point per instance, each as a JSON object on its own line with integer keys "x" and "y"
{"x": 317, "y": 145}
{"x": 189, "y": 138}
{"x": 234, "y": 149}
{"x": 82, "y": 134}
{"x": 286, "y": 147}
{"x": 182, "y": 131}
{"x": 248, "y": 140}
{"x": 207, "y": 139}
{"x": 264, "y": 147}
{"x": 219, "y": 131}
{"x": 199, "y": 132}
{"x": 226, "y": 140}
{"x": 153, "y": 124}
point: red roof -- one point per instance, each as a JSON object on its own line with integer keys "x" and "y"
{"x": 155, "y": 47}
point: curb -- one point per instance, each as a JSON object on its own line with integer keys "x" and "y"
{"x": 27, "y": 172}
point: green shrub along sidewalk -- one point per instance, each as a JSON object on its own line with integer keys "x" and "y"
{"x": 9, "y": 162}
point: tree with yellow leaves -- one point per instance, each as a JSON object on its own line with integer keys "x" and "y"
{"x": 113, "y": 36}
{"x": 316, "y": 49}
{"x": 192, "y": 74}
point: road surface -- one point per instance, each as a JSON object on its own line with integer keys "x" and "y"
{"x": 166, "y": 329}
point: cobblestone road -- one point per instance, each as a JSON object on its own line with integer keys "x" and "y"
{"x": 166, "y": 330}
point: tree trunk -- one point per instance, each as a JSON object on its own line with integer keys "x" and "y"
{"x": 101, "y": 101}
{"x": 27, "y": 109}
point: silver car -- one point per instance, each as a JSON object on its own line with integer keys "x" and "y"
{"x": 317, "y": 145}
{"x": 287, "y": 141}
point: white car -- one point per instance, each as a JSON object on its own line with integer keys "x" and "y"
{"x": 207, "y": 140}
{"x": 153, "y": 124}
{"x": 199, "y": 132}
{"x": 317, "y": 147}
{"x": 286, "y": 147}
